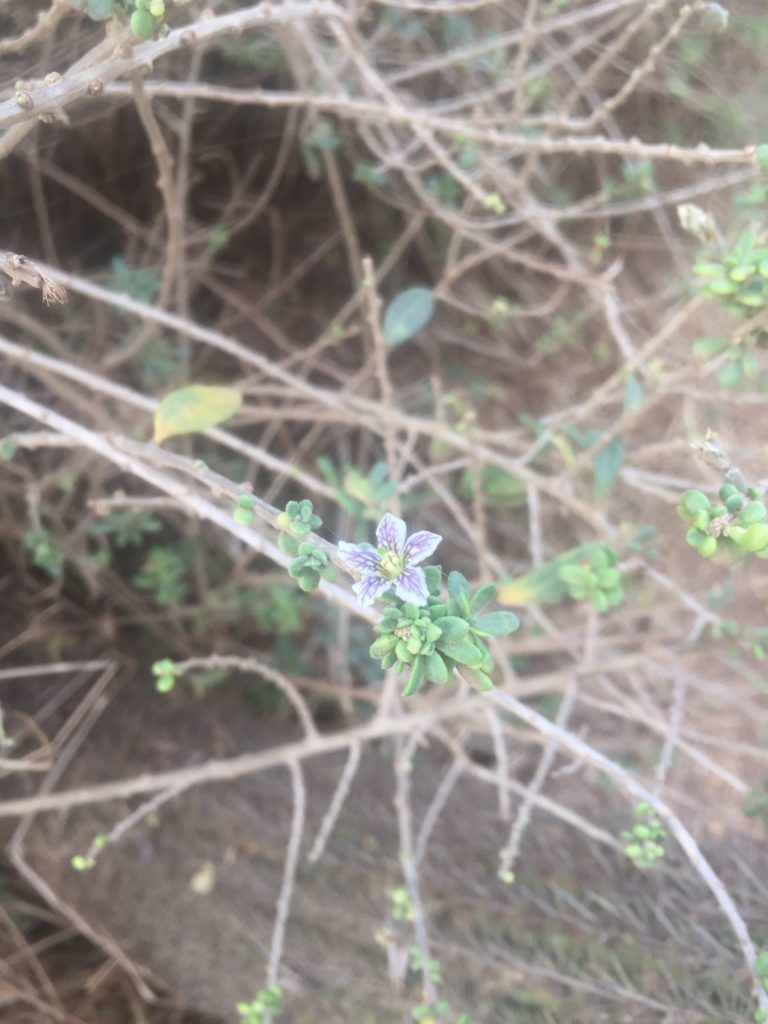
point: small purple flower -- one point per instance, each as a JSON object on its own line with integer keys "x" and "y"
{"x": 393, "y": 562}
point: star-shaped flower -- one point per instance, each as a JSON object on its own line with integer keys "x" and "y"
{"x": 393, "y": 563}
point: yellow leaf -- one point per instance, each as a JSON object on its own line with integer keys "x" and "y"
{"x": 193, "y": 409}
{"x": 518, "y": 593}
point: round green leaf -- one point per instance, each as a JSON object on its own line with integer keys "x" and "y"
{"x": 407, "y": 313}
{"x": 193, "y": 409}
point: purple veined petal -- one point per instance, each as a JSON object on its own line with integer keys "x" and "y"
{"x": 420, "y": 546}
{"x": 390, "y": 533}
{"x": 411, "y": 585}
{"x": 369, "y": 588}
{"x": 361, "y": 557}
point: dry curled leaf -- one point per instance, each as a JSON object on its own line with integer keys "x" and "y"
{"x": 21, "y": 271}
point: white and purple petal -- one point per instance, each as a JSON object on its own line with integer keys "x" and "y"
{"x": 390, "y": 533}
{"x": 411, "y": 585}
{"x": 420, "y": 546}
{"x": 360, "y": 557}
{"x": 369, "y": 588}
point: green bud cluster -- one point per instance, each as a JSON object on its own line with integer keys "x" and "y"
{"x": 298, "y": 518}
{"x": 596, "y": 579}
{"x": 402, "y": 908}
{"x": 732, "y": 527}
{"x": 267, "y": 1002}
{"x": 147, "y": 18}
{"x": 432, "y": 641}
{"x": 84, "y": 862}
{"x": 740, "y": 278}
{"x": 644, "y": 841}
{"x": 310, "y": 563}
{"x": 166, "y": 672}
{"x": 243, "y": 512}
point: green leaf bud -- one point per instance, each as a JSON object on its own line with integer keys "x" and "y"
{"x": 143, "y": 24}
{"x": 708, "y": 269}
{"x": 383, "y": 645}
{"x": 754, "y": 512}
{"x": 701, "y": 520}
{"x": 708, "y": 547}
{"x": 607, "y": 579}
{"x": 402, "y": 652}
{"x": 695, "y": 537}
{"x": 432, "y": 633}
{"x": 722, "y": 286}
{"x": 309, "y": 580}
{"x": 288, "y": 544}
{"x": 437, "y": 671}
{"x": 694, "y": 501}
{"x": 734, "y": 503}
{"x": 414, "y": 679}
{"x": 243, "y": 516}
{"x": 755, "y": 538}
{"x": 742, "y": 273}
{"x": 413, "y": 643}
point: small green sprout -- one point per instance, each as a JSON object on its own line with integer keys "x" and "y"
{"x": 644, "y": 841}
{"x": 166, "y": 672}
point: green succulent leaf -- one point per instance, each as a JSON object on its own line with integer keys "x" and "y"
{"x": 463, "y": 653}
{"x": 453, "y": 629}
{"x": 496, "y": 623}
{"x": 407, "y": 314}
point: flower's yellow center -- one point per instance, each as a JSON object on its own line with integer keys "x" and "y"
{"x": 391, "y": 565}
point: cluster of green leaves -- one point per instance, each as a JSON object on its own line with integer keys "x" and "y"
{"x": 165, "y": 573}
{"x": 166, "y": 672}
{"x": 761, "y": 970}
{"x": 595, "y": 579}
{"x": 402, "y": 912}
{"x": 268, "y": 1002}
{"x": 747, "y": 638}
{"x": 583, "y": 573}
{"x": 738, "y": 279}
{"x": 431, "y": 642}
{"x": 731, "y": 527}
{"x": 146, "y": 17}
{"x": 125, "y": 527}
{"x": 310, "y": 563}
{"x": 644, "y": 842}
{"x": 46, "y": 551}
{"x": 741, "y": 360}
{"x": 402, "y": 908}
